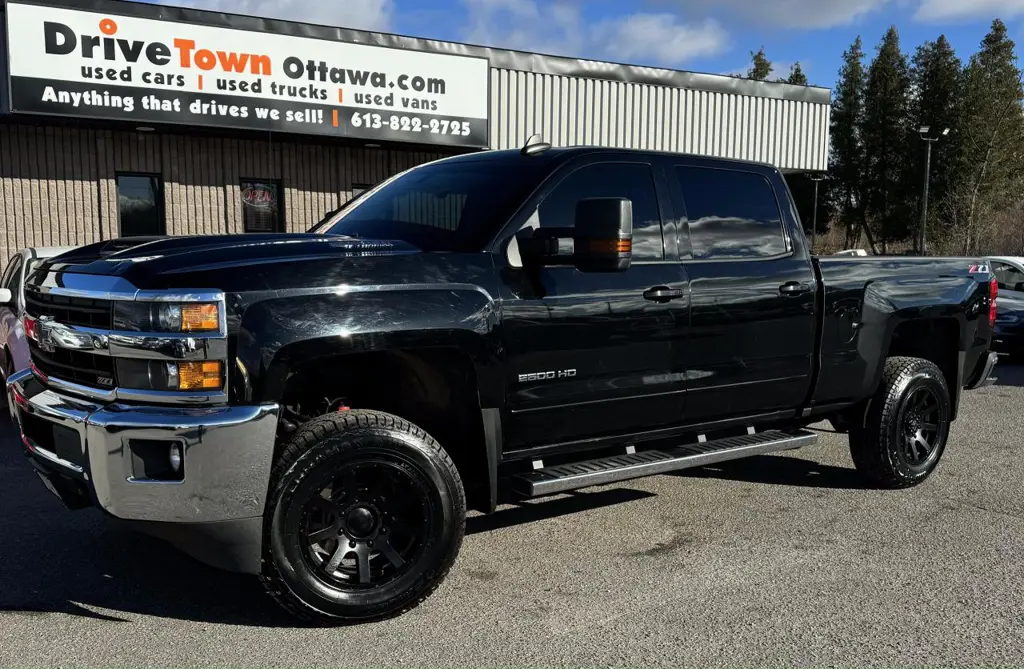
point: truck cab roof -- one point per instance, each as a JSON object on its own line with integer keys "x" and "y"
{"x": 558, "y": 155}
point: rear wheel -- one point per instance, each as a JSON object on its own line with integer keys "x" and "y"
{"x": 365, "y": 518}
{"x": 903, "y": 434}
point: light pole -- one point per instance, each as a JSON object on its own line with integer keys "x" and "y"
{"x": 816, "y": 178}
{"x": 927, "y": 178}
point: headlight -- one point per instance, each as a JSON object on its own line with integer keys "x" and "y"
{"x": 166, "y": 317}
{"x": 156, "y": 375}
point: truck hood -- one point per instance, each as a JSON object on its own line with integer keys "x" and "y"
{"x": 144, "y": 261}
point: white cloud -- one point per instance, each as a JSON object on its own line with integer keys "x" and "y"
{"x": 811, "y": 14}
{"x": 559, "y": 28}
{"x": 660, "y": 38}
{"x": 944, "y": 10}
{"x": 360, "y": 14}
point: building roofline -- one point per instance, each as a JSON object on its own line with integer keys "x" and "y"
{"x": 500, "y": 58}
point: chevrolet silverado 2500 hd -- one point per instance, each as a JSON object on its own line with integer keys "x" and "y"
{"x": 321, "y": 409}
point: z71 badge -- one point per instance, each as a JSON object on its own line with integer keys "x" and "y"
{"x": 547, "y": 376}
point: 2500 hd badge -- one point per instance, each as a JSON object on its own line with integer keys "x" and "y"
{"x": 547, "y": 376}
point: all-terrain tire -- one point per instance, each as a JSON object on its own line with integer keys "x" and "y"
{"x": 339, "y": 446}
{"x": 882, "y": 447}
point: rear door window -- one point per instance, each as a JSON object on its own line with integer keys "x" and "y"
{"x": 731, "y": 214}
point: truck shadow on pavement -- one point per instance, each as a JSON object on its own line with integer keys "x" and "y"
{"x": 1008, "y": 373}
{"x": 60, "y": 561}
{"x": 83, "y": 564}
{"x": 781, "y": 470}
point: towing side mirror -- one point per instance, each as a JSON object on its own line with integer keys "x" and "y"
{"x": 603, "y": 235}
{"x": 602, "y": 238}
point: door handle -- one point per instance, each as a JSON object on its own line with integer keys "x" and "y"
{"x": 663, "y": 294}
{"x": 794, "y": 288}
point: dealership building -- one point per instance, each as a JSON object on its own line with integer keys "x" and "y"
{"x": 122, "y": 118}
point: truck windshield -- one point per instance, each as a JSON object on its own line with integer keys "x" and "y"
{"x": 451, "y": 206}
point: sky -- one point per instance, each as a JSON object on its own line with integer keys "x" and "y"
{"x": 713, "y": 36}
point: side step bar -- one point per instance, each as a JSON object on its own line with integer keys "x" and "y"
{"x": 615, "y": 468}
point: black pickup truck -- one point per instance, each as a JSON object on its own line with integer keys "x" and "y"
{"x": 321, "y": 409}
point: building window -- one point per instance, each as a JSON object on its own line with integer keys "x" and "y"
{"x": 140, "y": 204}
{"x": 261, "y": 206}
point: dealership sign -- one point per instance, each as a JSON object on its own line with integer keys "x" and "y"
{"x": 100, "y": 64}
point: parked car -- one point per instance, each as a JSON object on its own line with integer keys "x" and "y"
{"x": 14, "y": 355}
{"x": 321, "y": 408}
{"x": 1008, "y": 336}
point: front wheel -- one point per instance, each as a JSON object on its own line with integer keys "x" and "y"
{"x": 365, "y": 518}
{"x": 904, "y": 430}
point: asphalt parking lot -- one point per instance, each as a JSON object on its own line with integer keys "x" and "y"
{"x": 778, "y": 560}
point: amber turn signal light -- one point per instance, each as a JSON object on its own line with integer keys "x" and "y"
{"x": 208, "y": 375}
{"x": 199, "y": 317}
{"x": 611, "y": 245}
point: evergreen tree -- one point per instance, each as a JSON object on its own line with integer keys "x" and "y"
{"x": 935, "y": 79}
{"x": 991, "y": 131}
{"x": 886, "y": 134}
{"x": 760, "y": 66}
{"x": 847, "y": 160}
{"x": 796, "y": 75}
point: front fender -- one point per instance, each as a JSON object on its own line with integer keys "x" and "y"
{"x": 279, "y": 333}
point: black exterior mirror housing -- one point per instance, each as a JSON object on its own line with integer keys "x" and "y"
{"x": 603, "y": 235}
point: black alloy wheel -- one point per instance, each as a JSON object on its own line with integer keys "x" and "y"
{"x": 365, "y": 517}
{"x": 368, "y": 525}
{"x": 919, "y": 425}
{"x": 902, "y": 434}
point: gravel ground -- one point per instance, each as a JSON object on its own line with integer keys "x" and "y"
{"x": 777, "y": 560}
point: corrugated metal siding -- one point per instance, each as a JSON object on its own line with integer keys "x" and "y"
{"x": 568, "y": 111}
{"x": 57, "y": 183}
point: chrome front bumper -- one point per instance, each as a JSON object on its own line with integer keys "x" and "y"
{"x": 228, "y": 452}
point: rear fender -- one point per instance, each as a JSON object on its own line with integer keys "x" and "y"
{"x": 890, "y": 305}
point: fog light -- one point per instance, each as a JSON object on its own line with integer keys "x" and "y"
{"x": 175, "y": 458}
